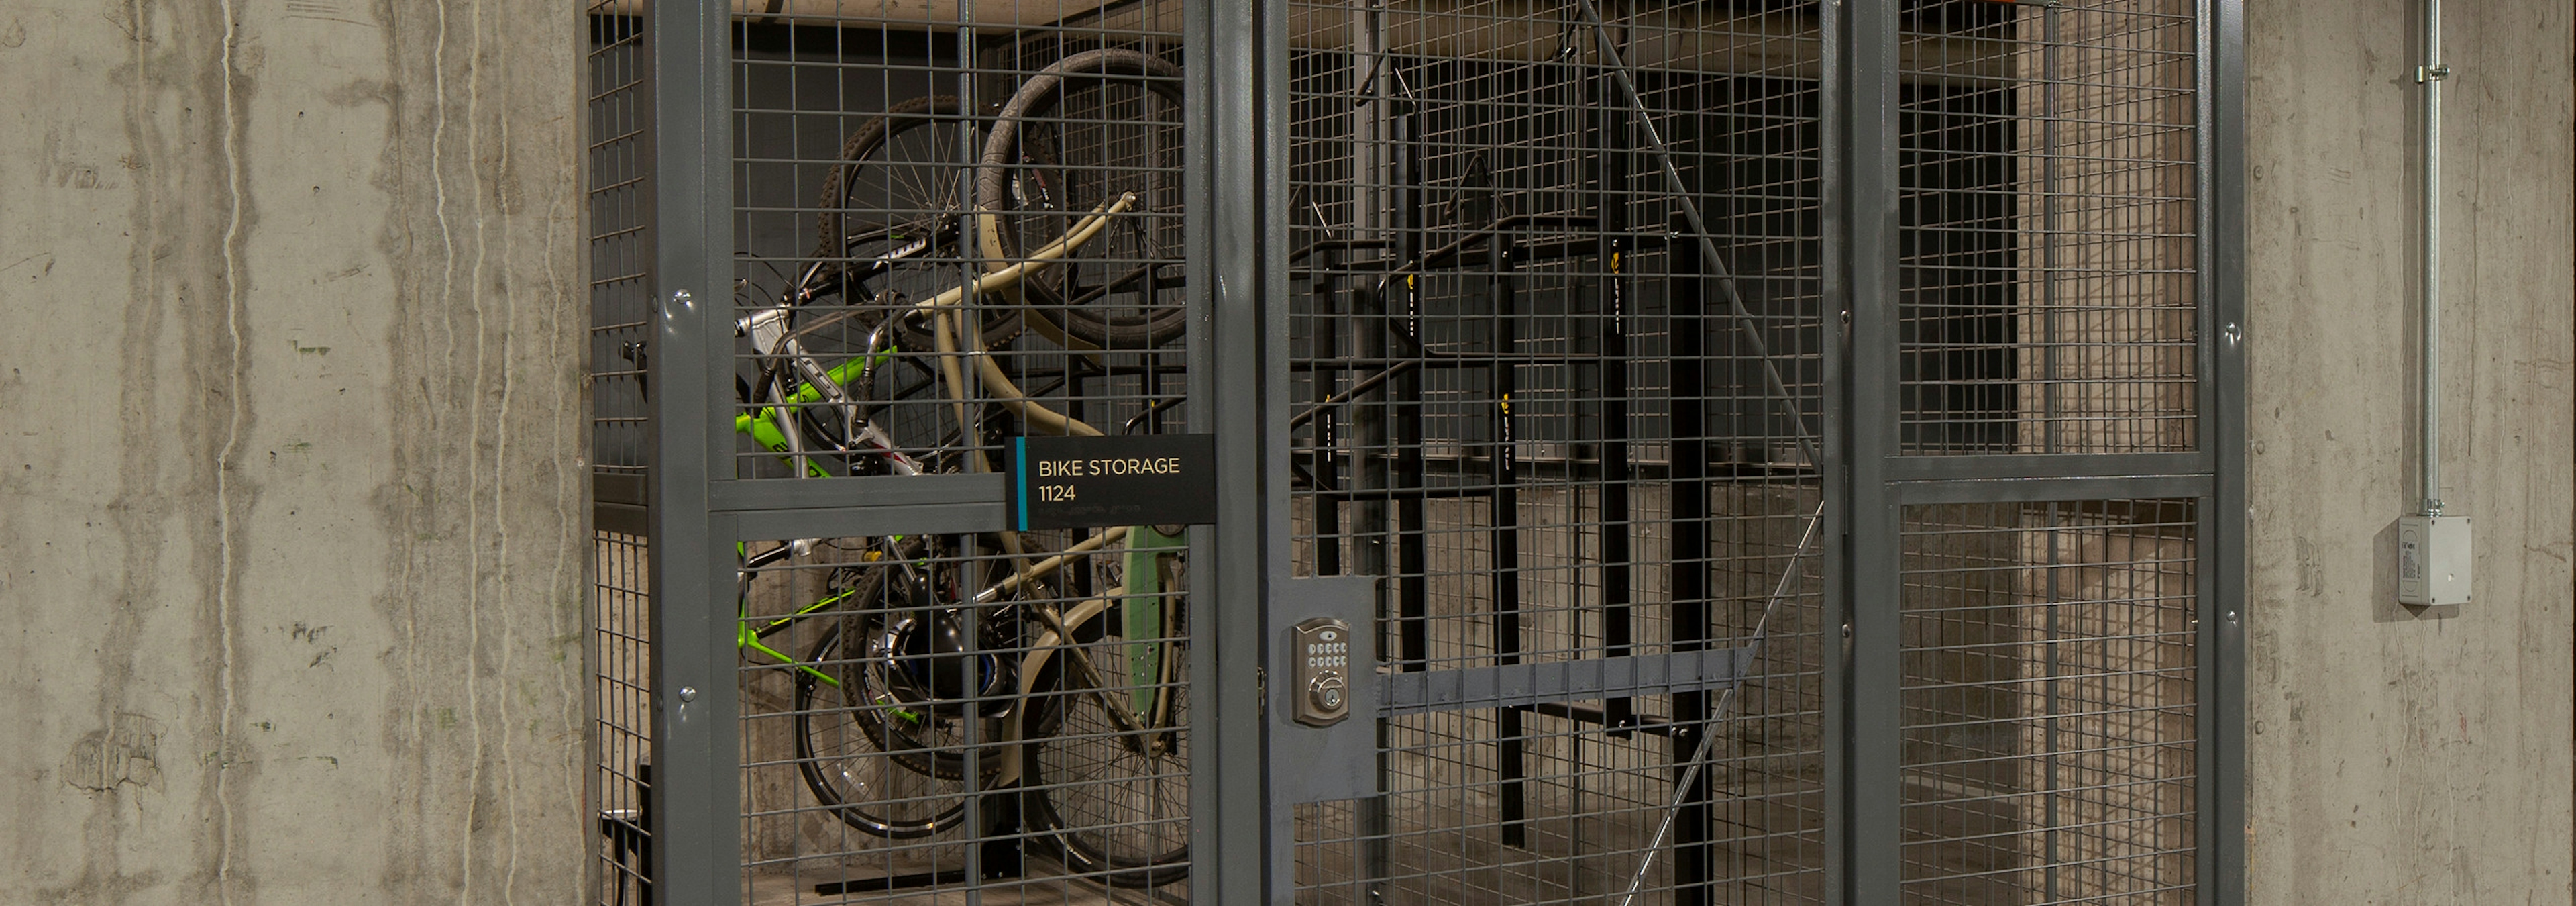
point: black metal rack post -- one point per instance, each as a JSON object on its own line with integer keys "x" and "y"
{"x": 1504, "y": 533}
{"x": 1324, "y": 463}
{"x": 1693, "y": 858}
{"x": 1618, "y": 635}
{"x": 1413, "y": 592}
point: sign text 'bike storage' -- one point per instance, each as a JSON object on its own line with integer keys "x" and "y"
{"x": 1092, "y": 482}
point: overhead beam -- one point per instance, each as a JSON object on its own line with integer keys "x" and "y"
{"x": 1699, "y": 38}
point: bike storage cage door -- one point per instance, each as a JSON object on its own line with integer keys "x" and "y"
{"x": 1417, "y": 451}
{"x": 942, "y": 485}
{"x": 1785, "y": 451}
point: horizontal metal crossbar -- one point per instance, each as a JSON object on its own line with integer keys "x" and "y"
{"x": 1518, "y": 685}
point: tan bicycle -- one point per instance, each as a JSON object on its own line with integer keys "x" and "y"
{"x": 1049, "y": 664}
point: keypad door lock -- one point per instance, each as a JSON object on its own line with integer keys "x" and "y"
{"x": 1323, "y": 672}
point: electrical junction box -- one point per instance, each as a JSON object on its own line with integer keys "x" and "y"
{"x": 2433, "y": 560}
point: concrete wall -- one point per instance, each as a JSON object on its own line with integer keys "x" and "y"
{"x": 290, "y": 499}
{"x": 2402, "y": 755}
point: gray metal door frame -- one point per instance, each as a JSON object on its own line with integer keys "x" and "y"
{"x": 698, "y": 512}
{"x": 1239, "y": 330}
{"x": 695, "y": 790}
{"x": 1236, "y": 839}
{"x": 1877, "y": 481}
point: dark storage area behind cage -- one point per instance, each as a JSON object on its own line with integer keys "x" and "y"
{"x": 1774, "y": 434}
{"x": 1568, "y": 431}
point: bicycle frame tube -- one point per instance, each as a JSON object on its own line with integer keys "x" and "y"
{"x": 1059, "y": 627}
{"x": 1142, "y": 607}
{"x": 749, "y": 636}
{"x": 764, "y": 427}
{"x": 746, "y": 636}
{"x": 943, "y": 310}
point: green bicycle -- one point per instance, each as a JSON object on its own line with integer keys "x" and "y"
{"x": 1052, "y": 665}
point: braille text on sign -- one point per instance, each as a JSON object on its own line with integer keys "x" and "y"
{"x": 1097, "y": 482}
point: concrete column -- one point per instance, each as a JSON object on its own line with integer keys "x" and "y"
{"x": 292, "y": 521}
{"x": 2395, "y": 754}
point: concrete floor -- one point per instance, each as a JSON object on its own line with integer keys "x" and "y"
{"x": 1045, "y": 886}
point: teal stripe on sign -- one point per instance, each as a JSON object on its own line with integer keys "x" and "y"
{"x": 1020, "y": 465}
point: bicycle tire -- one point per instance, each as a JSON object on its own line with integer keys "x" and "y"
{"x": 1138, "y": 150}
{"x": 894, "y": 185}
{"x": 891, "y": 647}
{"x": 1115, "y": 803}
{"x": 867, "y": 781}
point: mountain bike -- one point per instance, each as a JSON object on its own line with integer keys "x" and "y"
{"x": 1050, "y": 665}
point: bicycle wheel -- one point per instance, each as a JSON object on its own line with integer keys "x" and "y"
{"x": 892, "y": 226}
{"x": 874, "y": 775}
{"x": 1112, "y": 779}
{"x": 1110, "y": 122}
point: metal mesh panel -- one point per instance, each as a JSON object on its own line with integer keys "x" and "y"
{"x": 2050, "y": 702}
{"x": 909, "y": 188}
{"x": 1568, "y": 429}
{"x": 621, "y": 250}
{"x": 1558, "y": 350}
{"x": 2049, "y": 279}
{"x": 620, "y": 254}
{"x": 625, "y": 707}
{"x": 953, "y": 232}
{"x": 899, "y": 737}
{"x": 841, "y": 778}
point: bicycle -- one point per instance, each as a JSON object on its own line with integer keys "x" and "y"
{"x": 1052, "y": 664}
{"x": 1092, "y": 697}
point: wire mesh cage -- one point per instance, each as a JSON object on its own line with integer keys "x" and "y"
{"x": 1569, "y": 366}
{"x": 1559, "y": 373}
{"x": 619, "y": 193}
{"x": 989, "y": 204}
{"x": 2049, "y": 184}
{"x": 957, "y": 227}
{"x": 2053, "y": 278}
{"x": 897, "y": 742}
{"x": 2050, "y": 702}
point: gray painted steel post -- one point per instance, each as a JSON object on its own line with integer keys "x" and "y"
{"x": 1833, "y": 470}
{"x": 1862, "y": 192}
{"x": 1238, "y": 85}
{"x": 2223, "y": 613}
{"x": 696, "y": 845}
{"x": 1833, "y": 460}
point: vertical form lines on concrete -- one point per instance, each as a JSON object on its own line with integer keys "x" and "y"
{"x": 474, "y": 418}
{"x": 228, "y": 557}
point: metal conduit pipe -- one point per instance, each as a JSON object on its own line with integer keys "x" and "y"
{"x": 2429, "y": 437}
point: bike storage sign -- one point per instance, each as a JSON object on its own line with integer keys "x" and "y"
{"x": 1096, "y": 482}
